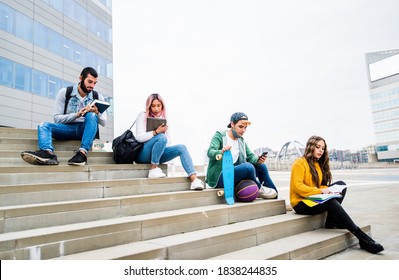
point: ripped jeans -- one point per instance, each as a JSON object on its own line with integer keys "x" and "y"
{"x": 84, "y": 131}
{"x": 156, "y": 152}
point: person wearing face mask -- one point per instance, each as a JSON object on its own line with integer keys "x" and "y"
{"x": 246, "y": 164}
{"x": 157, "y": 146}
{"x": 74, "y": 119}
{"x": 311, "y": 175}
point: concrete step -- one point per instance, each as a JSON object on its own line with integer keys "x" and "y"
{"x": 57, "y": 241}
{"x": 60, "y": 213}
{"x": 30, "y": 174}
{"x": 209, "y": 242}
{"x": 31, "y": 144}
{"x": 109, "y": 211}
{"x": 17, "y": 195}
{"x": 311, "y": 245}
{"x": 13, "y": 158}
{"x": 11, "y": 132}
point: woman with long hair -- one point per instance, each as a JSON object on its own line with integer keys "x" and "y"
{"x": 311, "y": 175}
{"x": 157, "y": 148}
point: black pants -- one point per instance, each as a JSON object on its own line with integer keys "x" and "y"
{"x": 335, "y": 212}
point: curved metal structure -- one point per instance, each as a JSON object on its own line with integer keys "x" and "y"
{"x": 288, "y": 153}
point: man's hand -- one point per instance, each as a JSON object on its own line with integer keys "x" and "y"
{"x": 81, "y": 112}
{"x": 226, "y": 148}
{"x": 262, "y": 159}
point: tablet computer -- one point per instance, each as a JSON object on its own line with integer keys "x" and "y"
{"x": 153, "y": 123}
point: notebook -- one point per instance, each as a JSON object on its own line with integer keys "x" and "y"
{"x": 101, "y": 105}
{"x": 153, "y": 123}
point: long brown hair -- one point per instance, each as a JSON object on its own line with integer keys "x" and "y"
{"x": 324, "y": 161}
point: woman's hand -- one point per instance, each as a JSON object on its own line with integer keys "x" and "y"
{"x": 161, "y": 129}
{"x": 325, "y": 190}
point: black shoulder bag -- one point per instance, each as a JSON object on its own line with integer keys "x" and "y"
{"x": 125, "y": 147}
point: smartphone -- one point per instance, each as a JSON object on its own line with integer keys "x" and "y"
{"x": 264, "y": 154}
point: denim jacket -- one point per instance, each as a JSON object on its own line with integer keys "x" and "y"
{"x": 74, "y": 105}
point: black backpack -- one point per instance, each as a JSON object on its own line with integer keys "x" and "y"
{"x": 125, "y": 147}
{"x": 68, "y": 96}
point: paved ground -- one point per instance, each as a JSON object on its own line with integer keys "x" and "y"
{"x": 372, "y": 198}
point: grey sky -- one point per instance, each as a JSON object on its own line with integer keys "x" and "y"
{"x": 297, "y": 68}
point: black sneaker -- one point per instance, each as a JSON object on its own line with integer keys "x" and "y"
{"x": 40, "y": 157}
{"x": 79, "y": 159}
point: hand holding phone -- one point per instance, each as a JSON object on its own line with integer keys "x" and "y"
{"x": 264, "y": 154}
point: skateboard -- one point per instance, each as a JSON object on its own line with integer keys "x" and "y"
{"x": 228, "y": 177}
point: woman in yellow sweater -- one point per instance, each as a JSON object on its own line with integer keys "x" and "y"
{"x": 311, "y": 175}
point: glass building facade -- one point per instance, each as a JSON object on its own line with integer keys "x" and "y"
{"x": 383, "y": 77}
{"x": 45, "y": 44}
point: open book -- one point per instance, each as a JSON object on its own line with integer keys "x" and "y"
{"x": 101, "y": 105}
{"x": 323, "y": 197}
{"x": 337, "y": 188}
{"x": 315, "y": 199}
{"x": 335, "y": 192}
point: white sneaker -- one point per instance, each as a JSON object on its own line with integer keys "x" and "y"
{"x": 197, "y": 185}
{"x": 156, "y": 173}
{"x": 267, "y": 193}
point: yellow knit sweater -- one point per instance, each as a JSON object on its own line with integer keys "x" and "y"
{"x": 301, "y": 183}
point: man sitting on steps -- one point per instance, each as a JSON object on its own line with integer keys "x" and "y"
{"x": 74, "y": 119}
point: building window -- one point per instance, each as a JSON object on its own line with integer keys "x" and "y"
{"x": 381, "y": 148}
{"x": 110, "y": 110}
{"x": 54, "y": 85}
{"x": 6, "y": 18}
{"x": 97, "y": 26}
{"x": 67, "y": 84}
{"x": 57, "y": 4}
{"x": 6, "y": 73}
{"x": 23, "y": 77}
{"x": 40, "y": 35}
{"x": 69, "y": 9}
{"x": 80, "y": 15}
{"x": 39, "y": 83}
{"x": 55, "y": 42}
{"x": 23, "y": 27}
{"x": 90, "y": 59}
{"x": 79, "y": 54}
{"x": 68, "y": 49}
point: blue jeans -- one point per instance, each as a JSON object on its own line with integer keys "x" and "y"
{"x": 250, "y": 171}
{"x": 155, "y": 152}
{"x": 84, "y": 131}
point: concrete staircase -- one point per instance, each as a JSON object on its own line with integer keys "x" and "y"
{"x": 109, "y": 211}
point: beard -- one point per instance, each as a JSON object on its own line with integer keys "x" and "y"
{"x": 83, "y": 87}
